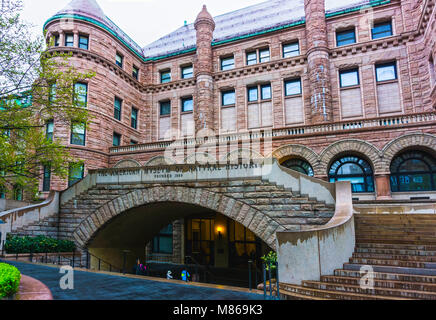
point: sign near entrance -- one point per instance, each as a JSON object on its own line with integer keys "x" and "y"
{"x": 174, "y": 173}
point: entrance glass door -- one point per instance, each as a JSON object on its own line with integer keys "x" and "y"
{"x": 200, "y": 240}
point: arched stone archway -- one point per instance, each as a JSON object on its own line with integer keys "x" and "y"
{"x": 424, "y": 141}
{"x": 299, "y": 151}
{"x": 127, "y": 163}
{"x": 257, "y": 221}
{"x": 159, "y": 161}
{"x": 359, "y": 147}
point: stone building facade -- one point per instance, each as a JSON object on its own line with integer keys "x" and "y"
{"x": 323, "y": 83}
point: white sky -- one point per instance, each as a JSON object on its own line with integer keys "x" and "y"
{"x": 143, "y": 20}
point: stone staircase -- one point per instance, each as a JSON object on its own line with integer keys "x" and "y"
{"x": 401, "y": 249}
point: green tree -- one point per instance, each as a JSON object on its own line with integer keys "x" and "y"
{"x": 36, "y": 86}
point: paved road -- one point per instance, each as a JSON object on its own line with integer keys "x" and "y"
{"x": 93, "y": 286}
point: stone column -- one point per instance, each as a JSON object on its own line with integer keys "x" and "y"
{"x": 203, "y": 68}
{"x": 318, "y": 62}
{"x": 383, "y": 187}
{"x": 61, "y": 39}
{"x": 76, "y": 39}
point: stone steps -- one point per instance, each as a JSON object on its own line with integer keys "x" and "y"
{"x": 386, "y": 276}
{"x": 404, "y": 257}
{"x": 331, "y": 294}
{"x": 376, "y": 291}
{"x": 405, "y": 246}
{"x": 383, "y": 283}
{"x": 393, "y": 269}
{"x": 393, "y": 262}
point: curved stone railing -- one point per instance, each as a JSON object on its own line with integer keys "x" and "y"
{"x": 79, "y": 187}
{"x": 315, "y": 251}
{"x": 17, "y": 218}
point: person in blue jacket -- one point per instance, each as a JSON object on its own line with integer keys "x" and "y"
{"x": 185, "y": 275}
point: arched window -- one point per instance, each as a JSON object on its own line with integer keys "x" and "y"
{"x": 299, "y": 165}
{"x": 413, "y": 171}
{"x": 355, "y": 170}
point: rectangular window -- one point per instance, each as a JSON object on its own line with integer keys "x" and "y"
{"x": 292, "y": 87}
{"x": 251, "y": 58}
{"x": 134, "y": 118}
{"x": 386, "y": 71}
{"x": 49, "y": 128}
{"x": 227, "y": 63}
{"x": 56, "y": 40}
{"x": 119, "y": 60}
{"x": 165, "y": 108}
{"x": 253, "y": 94}
{"x": 18, "y": 193}
{"x": 381, "y": 30}
{"x": 117, "y": 108}
{"x": 163, "y": 242}
{"x": 52, "y": 93}
{"x": 187, "y": 72}
{"x": 75, "y": 173}
{"x": 432, "y": 71}
{"x": 46, "y": 178}
{"x": 78, "y": 132}
{"x": 345, "y": 37}
{"x": 165, "y": 76}
{"x": 349, "y": 78}
{"x": 264, "y": 55}
{"x": 83, "y": 42}
{"x": 228, "y": 98}
{"x": 187, "y": 104}
{"x": 2, "y": 192}
{"x": 81, "y": 94}
{"x": 291, "y": 50}
{"x": 116, "y": 139}
{"x": 69, "y": 40}
{"x": 135, "y": 72}
{"x": 266, "y": 92}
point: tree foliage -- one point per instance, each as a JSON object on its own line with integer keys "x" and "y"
{"x": 36, "y": 86}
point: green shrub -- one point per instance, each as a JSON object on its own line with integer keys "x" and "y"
{"x": 9, "y": 280}
{"x": 39, "y": 244}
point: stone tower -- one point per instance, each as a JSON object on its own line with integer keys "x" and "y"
{"x": 203, "y": 68}
{"x": 318, "y": 61}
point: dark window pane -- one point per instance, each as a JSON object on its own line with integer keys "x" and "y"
{"x": 69, "y": 40}
{"x": 299, "y": 165}
{"x": 227, "y": 63}
{"x": 253, "y": 94}
{"x": 134, "y": 119}
{"x": 228, "y": 98}
{"x": 187, "y": 105}
{"x": 291, "y": 50}
{"x": 345, "y": 37}
{"x": 165, "y": 76}
{"x": 381, "y": 30}
{"x": 116, "y": 139}
{"x": 251, "y": 58}
{"x": 355, "y": 170}
{"x": 386, "y": 72}
{"x": 135, "y": 73}
{"x": 292, "y": 87}
{"x": 165, "y": 108}
{"x": 264, "y": 55}
{"x": 349, "y": 78}
{"x": 49, "y": 128}
{"x": 76, "y": 173}
{"x": 81, "y": 94}
{"x": 117, "y": 108}
{"x": 46, "y": 178}
{"x": 119, "y": 60}
{"x": 187, "y": 72}
{"x": 56, "y": 41}
{"x": 78, "y": 131}
{"x": 266, "y": 92}
{"x": 83, "y": 42}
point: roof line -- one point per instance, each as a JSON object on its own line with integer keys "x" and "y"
{"x": 373, "y": 3}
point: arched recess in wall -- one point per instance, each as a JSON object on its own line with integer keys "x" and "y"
{"x": 296, "y": 154}
{"x": 360, "y": 148}
{"x": 247, "y": 155}
{"x": 200, "y": 158}
{"x": 159, "y": 161}
{"x": 127, "y": 163}
{"x": 412, "y": 141}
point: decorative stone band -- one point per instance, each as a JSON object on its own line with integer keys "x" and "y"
{"x": 315, "y": 251}
{"x": 330, "y": 128}
{"x": 18, "y": 218}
